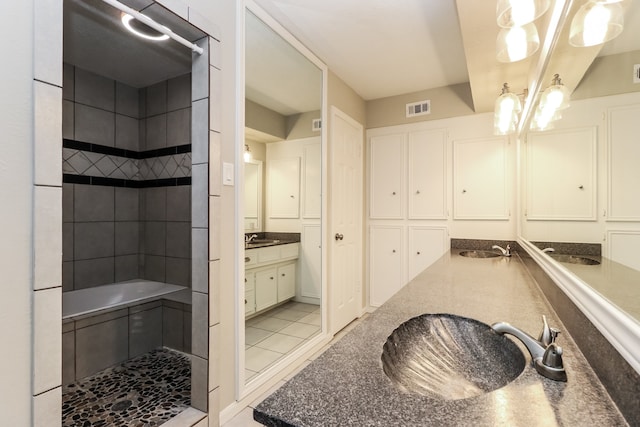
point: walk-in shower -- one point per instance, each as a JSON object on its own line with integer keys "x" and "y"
{"x": 131, "y": 108}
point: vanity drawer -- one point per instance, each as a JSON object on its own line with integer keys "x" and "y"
{"x": 250, "y": 257}
{"x": 289, "y": 251}
{"x": 270, "y": 253}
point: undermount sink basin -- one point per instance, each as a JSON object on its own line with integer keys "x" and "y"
{"x": 479, "y": 254}
{"x": 260, "y": 242}
{"x": 263, "y": 241}
{"x": 450, "y": 357}
{"x": 575, "y": 259}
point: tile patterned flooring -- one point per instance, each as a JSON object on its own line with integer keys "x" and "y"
{"x": 145, "y": 391}
{"x": 245, "y": 417}
{"x": 274, "y": 334}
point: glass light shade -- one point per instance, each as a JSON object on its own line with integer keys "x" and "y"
{"x": 596, "y": 22}
{"x": 555, "y": 97}
{"x": 543, "y": 118}
{"x": 247, "y": 153}
{"x": 517, "y": 43}
{"x": 516, "y": 13}
{"x": 506, "y": 111}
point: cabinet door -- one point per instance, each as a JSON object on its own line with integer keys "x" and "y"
{"x": 311, "y": 261}
{"x": 565, "y": 161}
{"x": 249, "y": 293}
{"x": 387, "y": 181}
{"x": 385, "y": 262}
{"x": 286, "y": 281}
{"x": 480, "y": 179}
{"x": 284, "y": 188}
{"x": 312, "y": 181}
{"x": 266, "y": 288}
{"x": 426, "y": 245}
{"x": 623, "y": 160}
{"x": 427, "y": 174}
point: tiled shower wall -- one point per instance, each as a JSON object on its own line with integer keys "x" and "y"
{"x": 136, "y": 222}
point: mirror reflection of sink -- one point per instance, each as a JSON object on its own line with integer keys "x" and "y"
{"x": 450, "y": 357}
{"x": 479, "y": 254}
{"x": 256, "y": 243}
{"x": 574, "y": 259}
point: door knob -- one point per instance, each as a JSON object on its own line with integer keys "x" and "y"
{"x": 339, "y": 236}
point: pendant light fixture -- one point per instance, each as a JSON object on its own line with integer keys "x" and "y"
{"x": 517, "y": 43}
{"x": 247, "y": 153}
{"x": 596, "y": 22}
{"x": 516, "y": 13}
{"x": 553, "y": 100}
{"x": 506, "y": 112}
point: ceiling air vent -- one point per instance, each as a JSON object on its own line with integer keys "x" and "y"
{"x": 419, "y": 108}
{"x": 316, "y": 125}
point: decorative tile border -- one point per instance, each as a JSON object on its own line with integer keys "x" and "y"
{"x": 94, "y": 164}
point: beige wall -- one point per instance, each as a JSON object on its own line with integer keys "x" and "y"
{"x": 299, "y": 125}
{"x": 16, "y": 191}
{"x": 609, "y": 75}
{"x": 345, "y": 98}
{"x": 447, "y": 101}
{"x": 264, "y": 120}
{"x": 225, "y": 15}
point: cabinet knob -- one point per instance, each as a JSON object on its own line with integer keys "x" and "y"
{"x": 292, "y": 196}
{"x": 393, "y": 194}
{"x": 417, "y": 191}
{"x": 247, "y": 259}
{"x": 339, "y": 236}
{"x": 394, "y": 251}
{"x": 270, "y": 278}
{"x": 464, "y": 191}
{"x": 418, "y": 253}
{"x": 245, "y": 301}
{"x": 581, "y": 187}
{"x": 283, "y": 274}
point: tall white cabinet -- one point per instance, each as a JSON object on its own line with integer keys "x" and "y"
{"x": 407, "y": 185}
{"x": 429, "y": 182}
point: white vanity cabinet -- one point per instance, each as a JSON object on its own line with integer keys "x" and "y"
{"x": 266, "y": 288}
{"x": 249, "y": 293}
{"x": 270, "y": 276}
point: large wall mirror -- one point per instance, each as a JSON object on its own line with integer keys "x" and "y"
{"x": 579, "y": 186}
{"x": 283, "y": 181}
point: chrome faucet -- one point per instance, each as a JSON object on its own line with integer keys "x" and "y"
{"x": 547, "y": 250}
{"x": 249, "y": 239}
{"x": 505, "y": 252}
{"x": 545, "y": 353}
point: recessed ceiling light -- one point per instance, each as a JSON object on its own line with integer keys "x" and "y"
{"x": 141, "y": 30}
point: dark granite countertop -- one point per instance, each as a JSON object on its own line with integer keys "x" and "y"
{"x": 347, "y": 386}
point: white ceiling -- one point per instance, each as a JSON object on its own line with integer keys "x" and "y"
{"x": 379, "y": 48}
{"x": 382, "y": 48}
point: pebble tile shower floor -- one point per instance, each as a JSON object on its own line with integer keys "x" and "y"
{"x": 145, "y": 391}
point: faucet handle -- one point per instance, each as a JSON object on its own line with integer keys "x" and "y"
{"x": 545, "y": 337}
{"x": 554, "y": 334}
